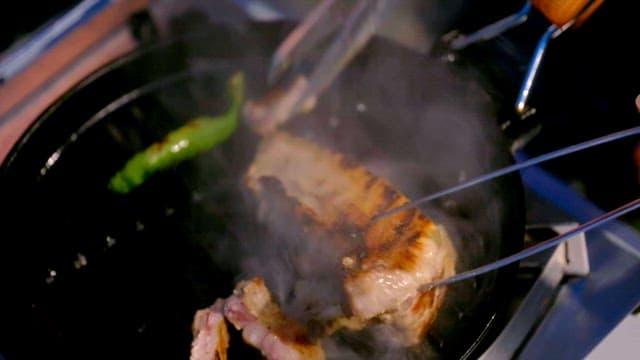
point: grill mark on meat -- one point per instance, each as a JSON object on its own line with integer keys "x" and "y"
{"x": 413, "y": 238}
{"x": 403, "y": 224}
{"x": 390, "y": 195}
{"x": 370, "y": 182}
{"x": 409, "y": 260}
{"x": 425, "y": 302}
{"x": 339, "y": 198}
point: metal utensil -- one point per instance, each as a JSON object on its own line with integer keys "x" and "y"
{"x": 346, "y": 30}
{"x": 589, "y": 225}
{"x": 513, "y": 168}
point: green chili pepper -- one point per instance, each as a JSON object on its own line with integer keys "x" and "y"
{"x": 196, "y": 137}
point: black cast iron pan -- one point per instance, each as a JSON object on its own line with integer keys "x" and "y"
{"x": 90, "y": 274}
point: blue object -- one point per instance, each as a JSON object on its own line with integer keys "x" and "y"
{"x": 587, "y": 308}
{"x": 18, "y": 58}
{"x": 260, "y": 10}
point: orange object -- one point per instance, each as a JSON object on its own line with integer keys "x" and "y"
{"x": 560, "y": 12}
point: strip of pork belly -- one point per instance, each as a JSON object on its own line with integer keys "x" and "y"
{"x": 211, "y": 338}
{"x": 252, "y": 310}
{"x": 387, "y": 260}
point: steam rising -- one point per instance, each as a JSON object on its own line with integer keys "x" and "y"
{"x": 413, "y": 120}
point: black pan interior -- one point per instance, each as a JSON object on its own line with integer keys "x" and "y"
{"x": 86, "y": 273}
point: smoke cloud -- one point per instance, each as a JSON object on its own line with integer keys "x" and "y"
{"x": 424, "y": 125}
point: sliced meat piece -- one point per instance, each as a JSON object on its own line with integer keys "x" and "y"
{"x": 252, "y": 310}
{"x": 211, "y": 338}
{"x": 383, "y": 262}
{"x": 386, "y": 283}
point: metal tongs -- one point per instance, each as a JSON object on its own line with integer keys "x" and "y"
{"x": 347, "y": 29}
{"x": 344, "y": 29}
{"x": 544, "y": 245}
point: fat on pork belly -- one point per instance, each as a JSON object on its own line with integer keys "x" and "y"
{"x": 376, "y": 266}
{"x": 252, "y": 310}
{"x": 383, "y": 262}
{"x": 211, "y": 338}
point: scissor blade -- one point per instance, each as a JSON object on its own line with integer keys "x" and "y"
{"x": 322, "y": 21}
{"x": 361, "y": 25}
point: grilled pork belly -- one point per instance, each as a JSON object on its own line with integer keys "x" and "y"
{"x": 382, "y": 263}
{"x": 211, "y": 338}
{"x": 252, "y": 310}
